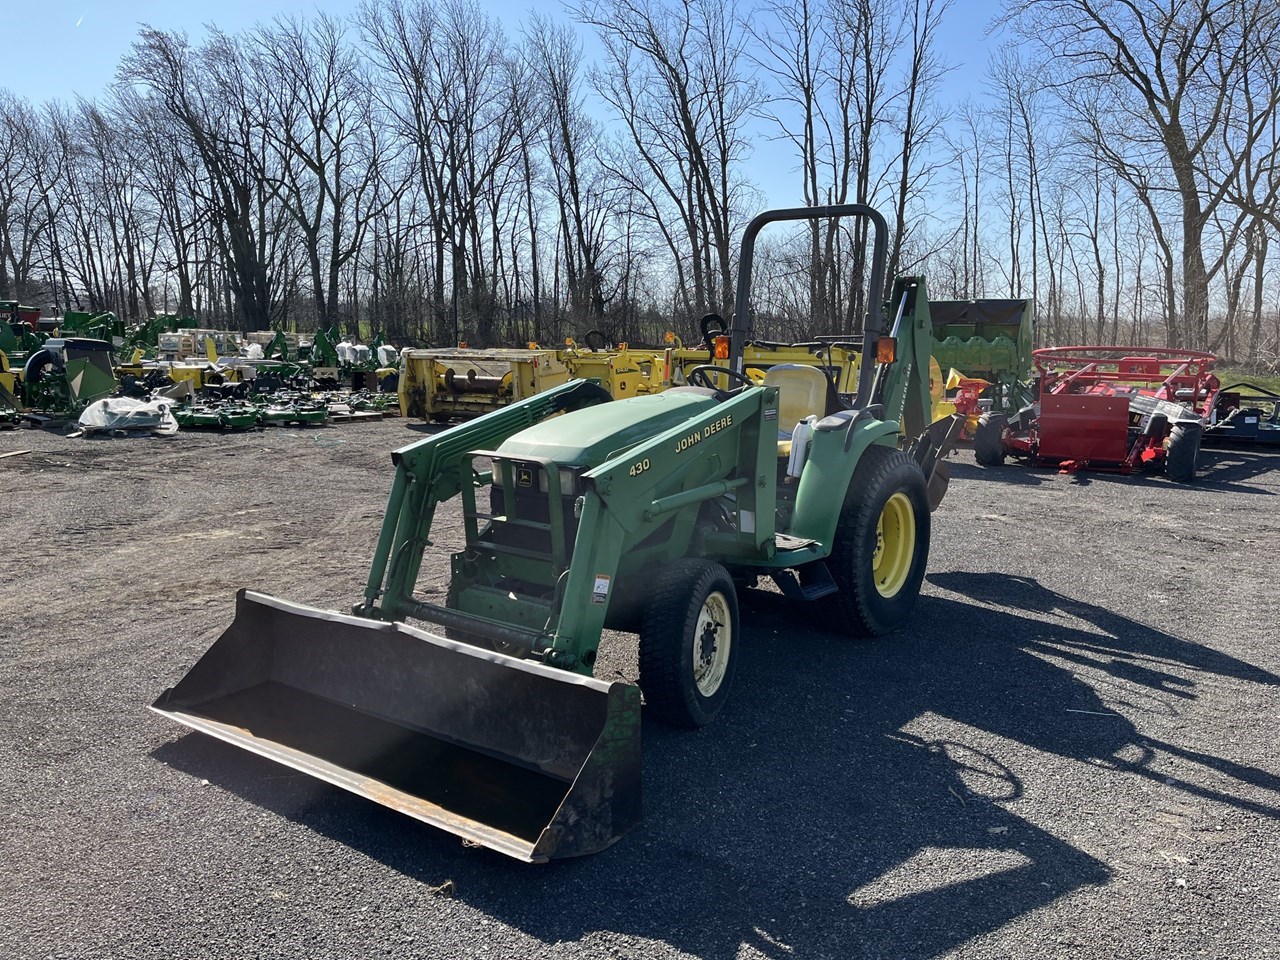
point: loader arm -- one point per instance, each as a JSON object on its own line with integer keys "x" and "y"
{"x": 728, "y": 448}
{"x": 430, "y": 472}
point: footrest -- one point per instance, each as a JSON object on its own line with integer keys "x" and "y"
{"x": 810, "y": 582}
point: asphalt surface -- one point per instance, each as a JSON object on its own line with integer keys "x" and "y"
{"x": 1071, "y": 751}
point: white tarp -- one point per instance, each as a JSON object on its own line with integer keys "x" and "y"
{"x": 126, "y": 413}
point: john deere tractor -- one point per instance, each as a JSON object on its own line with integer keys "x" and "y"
{"x": 647, "y": 515}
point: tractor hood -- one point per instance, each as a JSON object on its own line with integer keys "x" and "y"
{"x": 588, "y": 437}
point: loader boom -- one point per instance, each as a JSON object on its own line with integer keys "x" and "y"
{"x": 430, "y": 472}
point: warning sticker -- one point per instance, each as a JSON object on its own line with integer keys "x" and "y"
{"x": 771, "y": 413}
{"x": 600, "y": 592}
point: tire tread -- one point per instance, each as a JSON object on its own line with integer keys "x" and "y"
{"x": 851, "y": 607}
{"x": 665, "y": 622}
{"x": 988, "y": 439}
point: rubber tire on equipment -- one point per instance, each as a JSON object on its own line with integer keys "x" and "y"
{"x": 1183, "y": 451}
{"x": 988, "y": 439}
{"x": 668, "y": 639}
{"x": 888, "y": 486}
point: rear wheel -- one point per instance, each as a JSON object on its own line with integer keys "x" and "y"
{"x": 1183, "y": 451}
{"x": 881, "y": 544}
{"x": 688, "y": 643}
{"x": 988, "y": 439}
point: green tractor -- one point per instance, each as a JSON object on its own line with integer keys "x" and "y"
{"x": 581, "y": 514}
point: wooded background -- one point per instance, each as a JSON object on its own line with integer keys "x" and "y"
{"x": 420, "y": 171}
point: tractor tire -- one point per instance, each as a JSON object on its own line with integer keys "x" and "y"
{"x": 881, "y": 545}
{"x": 988, "y": 439}
{"x": 689, "y": 643}
{"x": 1183, "y": 451}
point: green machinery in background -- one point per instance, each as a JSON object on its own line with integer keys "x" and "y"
{"x": 20, "y": 336}
{"x": 101, "y": 325}
{"x": 55, "y": 374}
{"x": 21, "y": 331}
{"x": 15, "y": 312}
{"x": 579, "y": 513}
{"x": 17, "y": 340}
{"x": 145, "y": 334}
{"x": 990, "y": 340}
{"x": 67, "y": 374}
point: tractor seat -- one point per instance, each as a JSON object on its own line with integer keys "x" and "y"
{"x": 802, "y": 393}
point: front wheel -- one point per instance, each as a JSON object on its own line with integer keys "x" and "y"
{"x": 688, "y": 643}
{"x": 881, "y": 544}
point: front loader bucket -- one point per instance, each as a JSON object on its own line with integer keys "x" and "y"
{"x": 526, "y": 759}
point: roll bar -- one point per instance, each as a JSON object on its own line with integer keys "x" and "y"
{"x": 874, "y": 325}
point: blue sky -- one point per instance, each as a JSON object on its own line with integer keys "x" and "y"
{"x": 56, "y": 50}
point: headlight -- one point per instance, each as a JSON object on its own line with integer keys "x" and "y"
{"x": 568, "y": 482}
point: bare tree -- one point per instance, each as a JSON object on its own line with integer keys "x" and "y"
{"x": 212, "y": 94}
{"x": 449, "y": 97}
{"x": 854, "y": 88}
{"x": 675, "y": 77}
{"x": 23, "y": 218}
{"x": 572, "y": 138}
{"x": 919, "y": 118}
{"x": 1161, "y": 80}
{"x": 327, "y": 144}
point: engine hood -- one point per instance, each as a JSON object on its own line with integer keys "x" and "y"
{"x": 589, "y": 437}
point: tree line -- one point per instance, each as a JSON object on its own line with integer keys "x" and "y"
{"x": 418, "y": 170}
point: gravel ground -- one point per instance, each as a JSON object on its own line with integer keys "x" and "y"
{"x": 1070, "y": 752}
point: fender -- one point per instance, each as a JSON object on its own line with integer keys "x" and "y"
{"x": 824, "y": 484}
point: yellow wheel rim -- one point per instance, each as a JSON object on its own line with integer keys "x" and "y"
{"x": 895, "y": 545}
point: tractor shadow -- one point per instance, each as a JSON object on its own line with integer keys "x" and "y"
{"x": 822, "y": 815}
{"x": 1220, "y": 471}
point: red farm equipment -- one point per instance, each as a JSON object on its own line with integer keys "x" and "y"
{"x": 1121, "y": 409}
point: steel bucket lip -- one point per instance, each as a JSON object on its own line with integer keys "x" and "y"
{"x": 380, "y": 793}
{"x": 536, "y": 851}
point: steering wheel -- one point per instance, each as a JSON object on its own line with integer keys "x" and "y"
{"x": 704, "y": 376}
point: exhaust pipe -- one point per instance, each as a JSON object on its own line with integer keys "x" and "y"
{"x": 534, "y": 762}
